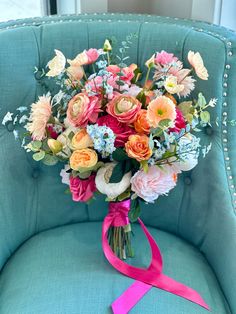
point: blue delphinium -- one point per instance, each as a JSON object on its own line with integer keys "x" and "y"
{"x": 103, "y": 138}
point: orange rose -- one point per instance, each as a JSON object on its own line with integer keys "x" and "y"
{"x": 138, "y": 148}
{"x": 83, "y": 159}
{"x": 141, "y": 124}
{"x": 81, "y": 139}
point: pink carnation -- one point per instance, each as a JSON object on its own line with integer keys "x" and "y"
{"x": 83, "y": 109}
{"x": 179, "y": 122}
{"x": 82, "y": 190}
{"x": 164, "y": 57}
{"x": 121, "y": 130}
{"x": 92, "y": 55}
{"x": 149, "y": 186}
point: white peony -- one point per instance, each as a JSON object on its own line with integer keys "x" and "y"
{"x": 112, "y": 190}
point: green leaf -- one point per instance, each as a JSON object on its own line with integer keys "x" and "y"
{"x": 50, "y": 160}
{"x": 163, "y": 124}
{"x": 144, "y": 164}
{"x": 205, "y": 116}
{"x": 117, "y": 173}
{"x": 119, "y": 155}
{"x": 120, "y": 83}
{"x": 189, "y": 118}
{"x": 142, "y": 98}
{"x": 201, "y": 102}
{"x": 35, "y": 145}
{"x": 124, "y": 195}
{"x": 39, "y": 156}
{"x": 185, "y": 107}
{"x": 135, "y": 210}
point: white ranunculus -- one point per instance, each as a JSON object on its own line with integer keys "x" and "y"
{"x": 112, "y": 190}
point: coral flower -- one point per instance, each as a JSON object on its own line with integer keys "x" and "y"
{"x": 40, "y": 114}
{"x": 141, "y": 124}
{"x": 83, "y": 109}
{"x": 196, "y": 62}
{"x": 159, "y": 109}
{"x": 138, "y": 148}
{"x": 124, "y": 108}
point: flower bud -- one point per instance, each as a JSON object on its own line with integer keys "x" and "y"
{"x": 107, "y": 46}
{"x": 54, "y": 145}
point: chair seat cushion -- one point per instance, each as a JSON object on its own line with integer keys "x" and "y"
{"x": 63, "y": 271}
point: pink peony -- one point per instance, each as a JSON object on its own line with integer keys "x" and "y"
{"x": 92, "y": 55}
{"x": 82, "y": 190}
{"x": 124, "y": 108}
{"x": 83, "y": 109}
{"x": 164, "y": 57}
{"x": 121, "y": 130}
{"x": 179, "y": 122}
{"x": 149, "y": 186}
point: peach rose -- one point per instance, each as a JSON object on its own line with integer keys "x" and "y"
{"x": 83, "y": 109}
{"x": 159, "y": 109}
{"x": 124, "y": 108}
{"x": 138, "y": 148}
{"x": 81, "y": 140}
{"x": 83, "y": 159}
{"x": 141, "y": 124}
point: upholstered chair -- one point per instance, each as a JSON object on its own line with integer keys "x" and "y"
{"x": 51, "y": 258}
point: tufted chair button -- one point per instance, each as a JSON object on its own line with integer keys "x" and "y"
{"x": 209, "y": 130}
{"x": 35, "y": 173}
{"x": 38, "y": 75}
{"x": 187, "y": 180}
{"x": 10, "y": 127}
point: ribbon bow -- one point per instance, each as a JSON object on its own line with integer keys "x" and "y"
{"x": 145, "y": 278}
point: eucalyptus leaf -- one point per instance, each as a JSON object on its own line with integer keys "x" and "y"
{"x": 50, "y": 160}
{"x": 39, "y": 156}
{"x": 36, "y": 145}
{"x": 205, "y": 116}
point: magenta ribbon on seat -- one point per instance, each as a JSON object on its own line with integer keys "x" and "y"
{"x": 146, "y": 278}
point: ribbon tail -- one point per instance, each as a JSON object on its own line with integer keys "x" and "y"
{"x": 124, "y": 303}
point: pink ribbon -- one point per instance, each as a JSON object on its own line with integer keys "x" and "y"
{"x": 145, "y": 278}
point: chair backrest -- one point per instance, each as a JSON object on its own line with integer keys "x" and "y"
{"x": 32, "y": 197}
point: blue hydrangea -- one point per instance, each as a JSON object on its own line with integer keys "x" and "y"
{"x": 103, "y": 138}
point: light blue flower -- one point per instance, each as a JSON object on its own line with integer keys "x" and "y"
{"x": 103, "y": 139}
{"x": 101, "y": 64}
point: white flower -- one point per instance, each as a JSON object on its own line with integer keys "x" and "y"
{"x": 7, "y": 118}
{"x": 65, "y": 175}
{"x": 196, "y": 62}
{"x": 112, "y": 190}
{"x": 57, "y": 64}
{"x": 172, "y": 86}
{"x": 212, "y": 102}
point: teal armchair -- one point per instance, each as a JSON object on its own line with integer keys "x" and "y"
{"x": 51, "y": 260}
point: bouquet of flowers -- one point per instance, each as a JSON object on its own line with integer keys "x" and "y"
{"x": 122, "y": 134}
{"x": 117, "y": 132}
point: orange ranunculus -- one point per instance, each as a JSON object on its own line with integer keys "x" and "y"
{"x": 138, "y": 148}
{"x": 81, "y": 139}
{"x": 83, "y": 159}
{"x": 141, "y": 124}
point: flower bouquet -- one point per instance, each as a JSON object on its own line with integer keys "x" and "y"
{"x": 118, "y": 132}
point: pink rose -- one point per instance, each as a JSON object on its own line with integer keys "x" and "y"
{"x": 179, "y": 122}
{"x": 149, "y": 186}
{"x": 83, "y": 109}
{"x": 121, "y": 130}
{"x": 124, "y": 108}
{"x": 164, "y": 57}
{"x": 82, "y": 190}
{"x": 92, "y": 55}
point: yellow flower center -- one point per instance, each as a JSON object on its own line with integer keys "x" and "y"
{"x": 160, "y": 112}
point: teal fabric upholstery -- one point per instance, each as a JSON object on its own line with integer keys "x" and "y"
{"x": 201, "y": 210}
{"x": 63, "y": 271}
